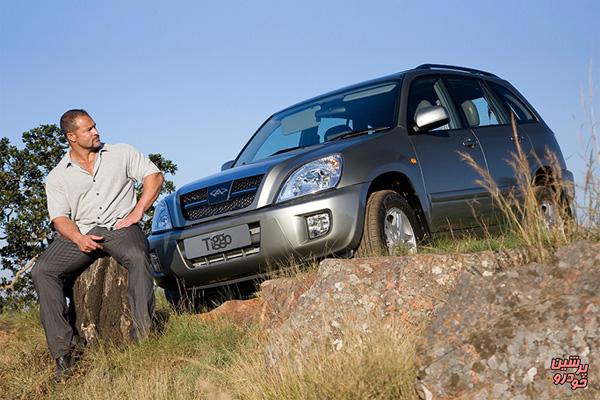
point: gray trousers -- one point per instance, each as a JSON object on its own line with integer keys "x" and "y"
{"x": 63, "y": 259}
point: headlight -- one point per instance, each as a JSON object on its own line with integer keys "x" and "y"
{"x": 161, "y": 220}
{"x": 312, "y": 177}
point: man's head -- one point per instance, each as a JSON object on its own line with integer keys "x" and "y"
{"x": 80, "y": 130}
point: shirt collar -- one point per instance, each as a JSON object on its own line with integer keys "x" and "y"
{"x": 67, "y": 158}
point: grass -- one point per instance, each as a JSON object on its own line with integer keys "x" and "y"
{"x": 212, "y": 360}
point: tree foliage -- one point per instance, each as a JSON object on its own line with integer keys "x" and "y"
{"x": 25, "y": 229}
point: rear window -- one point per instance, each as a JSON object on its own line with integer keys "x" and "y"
{"x": 512, "y": 103}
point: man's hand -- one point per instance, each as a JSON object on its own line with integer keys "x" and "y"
{"x": 88, "y": 243}
{"x": 133, "y": 218}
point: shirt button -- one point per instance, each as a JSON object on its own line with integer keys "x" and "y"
{"x": 98, "y": 217}
{"x": 100, "y": 208}
{"x": 97, "y": 194}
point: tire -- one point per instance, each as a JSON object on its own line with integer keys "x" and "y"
{"x": 553, "y": 207}
{"x": 403, "y": 232}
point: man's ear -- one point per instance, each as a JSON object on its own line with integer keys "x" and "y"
{"x": 71, "y": 137}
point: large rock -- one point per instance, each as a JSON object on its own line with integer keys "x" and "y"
{"x": 280, "y": 298}
{"x": 241, "y": 312}
{"x": 394, "y": 291}
{"x": 277, "y": 299}
{"x": 495, "y": 337}
{"x": 101, "y": 304}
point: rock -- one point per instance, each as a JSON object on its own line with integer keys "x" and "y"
{"x": 101, "y": 303}
{"x": 395, "y": 291}
{"x": 495, "y": 336}
{"x": 280, "y": 298}
{"x": 241, "y": 312}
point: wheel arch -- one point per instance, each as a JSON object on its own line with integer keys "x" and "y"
{"x": 401, "y": 184}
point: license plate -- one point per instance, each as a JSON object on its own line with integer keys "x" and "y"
{"x": 217, "y": 242}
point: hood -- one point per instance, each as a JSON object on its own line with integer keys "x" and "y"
{"x": 258, "y": 168}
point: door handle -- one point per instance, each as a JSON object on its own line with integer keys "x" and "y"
{"x": 519, "y": 138}
{"x": 469, "y": 142}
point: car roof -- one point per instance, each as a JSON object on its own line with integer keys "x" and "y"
{"x": 422, "y": 69}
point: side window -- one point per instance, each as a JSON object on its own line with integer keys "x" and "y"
{"x": 512, "y": 103}
{"x": 428, "y": 92}
{"x": 472, "y": 101}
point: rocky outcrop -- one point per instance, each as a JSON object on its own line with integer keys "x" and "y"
{"x": 101, "y": 304}
{"x": 495, "y": 337}
{"x": 487, "y": 325}
{"x": 394, "y": 291}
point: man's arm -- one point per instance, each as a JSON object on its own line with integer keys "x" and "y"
{"x": 68, "y": 229}
{"x": 151, "y": 190}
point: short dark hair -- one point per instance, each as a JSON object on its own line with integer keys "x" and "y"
{"x": 67, "y": 121}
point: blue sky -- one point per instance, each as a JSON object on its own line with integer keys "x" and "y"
{"x": 193, "y": 80}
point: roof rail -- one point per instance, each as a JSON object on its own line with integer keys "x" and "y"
{"x": 453, "y": 67}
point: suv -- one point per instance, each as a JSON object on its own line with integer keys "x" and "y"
{"x": 372, "y": 166}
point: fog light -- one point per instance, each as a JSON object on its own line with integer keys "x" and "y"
{"x": 318, "y": 225}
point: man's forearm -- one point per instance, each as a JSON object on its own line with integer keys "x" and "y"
{"x": 151, "y": 189}
{"x": 67, "y": 228}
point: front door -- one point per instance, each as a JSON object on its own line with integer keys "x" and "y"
{"x": 456, "y": 198}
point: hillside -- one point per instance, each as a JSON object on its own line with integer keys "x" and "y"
{"x": 468, "y": 325}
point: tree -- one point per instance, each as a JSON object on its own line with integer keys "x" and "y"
{"x": 25, "y": 230}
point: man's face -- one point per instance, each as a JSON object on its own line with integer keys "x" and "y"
{"x": 86, "y": 135}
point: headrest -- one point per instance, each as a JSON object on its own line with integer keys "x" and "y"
{"x": 309, "y": 137}
{"x": 471, "y": 113}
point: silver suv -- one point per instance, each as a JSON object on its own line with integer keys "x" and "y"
{"x": 368, "y": 167}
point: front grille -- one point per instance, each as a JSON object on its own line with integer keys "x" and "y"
{"x": 205, "y": 211}
{"x": 195, "y": 205}
{"x": 251, "y": 182}
{"x": 193, "y": 197}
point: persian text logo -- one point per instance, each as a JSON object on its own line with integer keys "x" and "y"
{"x": 563, "y": 365}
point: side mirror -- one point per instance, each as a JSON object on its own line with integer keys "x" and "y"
{"x": 428, "y": 118}
{"x": 227, "y": 165}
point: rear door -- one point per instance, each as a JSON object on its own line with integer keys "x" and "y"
{"x": 456, "y": 199}
{"x": 487, "y": 117}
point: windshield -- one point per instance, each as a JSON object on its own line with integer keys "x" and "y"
{"x": 323, "y": 120}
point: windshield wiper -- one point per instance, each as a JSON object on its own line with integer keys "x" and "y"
{"x": 288, "y": 149}
{"x": 361, "y": 132}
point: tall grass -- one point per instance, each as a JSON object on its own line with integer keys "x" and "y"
{"x": 374, "y": 364}
{"x": 539, "y": 212}
{"x": 208, "y": 360}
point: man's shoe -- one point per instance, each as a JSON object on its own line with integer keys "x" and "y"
{"x": 63, "y": 367}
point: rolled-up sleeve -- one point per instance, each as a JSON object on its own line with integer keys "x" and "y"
{"x": 58, "y": 205}
{"x": 138, "y": 166}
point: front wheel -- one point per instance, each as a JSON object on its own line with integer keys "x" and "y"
{"x": 391, "y": 226}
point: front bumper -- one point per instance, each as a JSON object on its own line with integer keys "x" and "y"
{"x": 278, "y": 233}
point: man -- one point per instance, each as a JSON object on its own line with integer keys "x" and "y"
{"x": 92, "y": 204}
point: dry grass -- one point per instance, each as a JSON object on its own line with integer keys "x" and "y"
{"x": 207, "y": 360}
{"x": 373, "y": 364}
{"x": 522, "y": 211}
